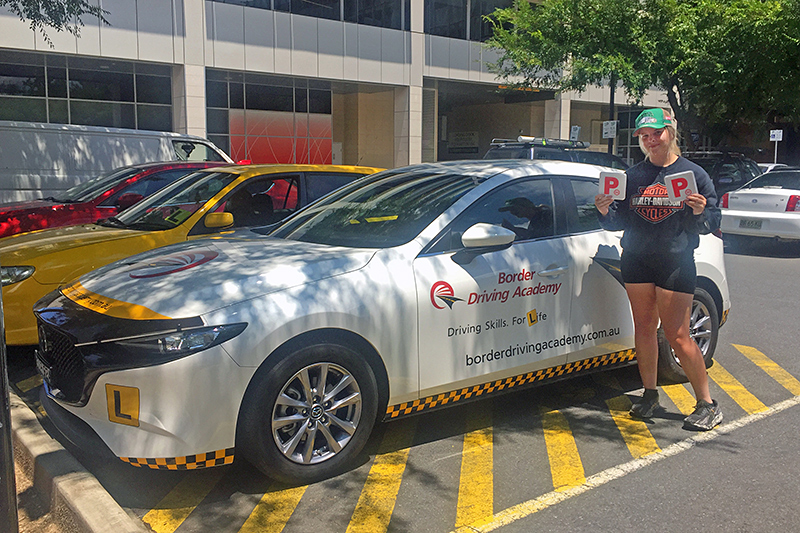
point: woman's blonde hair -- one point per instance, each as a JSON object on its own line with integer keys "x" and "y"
{"x": 673, "y": 138}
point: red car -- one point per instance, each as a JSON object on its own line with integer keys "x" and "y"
{"x": 101, "y": 197}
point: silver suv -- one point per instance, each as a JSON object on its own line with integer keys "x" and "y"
{"x": 539, "y": 148}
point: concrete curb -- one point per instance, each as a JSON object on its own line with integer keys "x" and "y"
{"x": 77, "y": 500}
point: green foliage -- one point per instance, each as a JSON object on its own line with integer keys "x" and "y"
{"x": 723, "y": 63}
{"x": 60, "y": 15}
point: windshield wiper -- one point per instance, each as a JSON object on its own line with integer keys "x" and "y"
{"x": 111, "y": 221}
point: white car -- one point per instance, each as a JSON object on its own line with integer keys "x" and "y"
{"x": 767, "y": 206}
{"x": 408, "y": 290}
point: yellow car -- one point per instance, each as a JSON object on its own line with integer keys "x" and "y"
{"x": 203, "y": 203}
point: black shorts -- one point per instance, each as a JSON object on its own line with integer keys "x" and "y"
{"x": 670, "y": 271}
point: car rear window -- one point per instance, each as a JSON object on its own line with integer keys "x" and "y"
{"x": 508, "y": 152}
{"x": 777, "y": 179}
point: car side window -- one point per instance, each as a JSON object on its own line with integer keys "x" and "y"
{"x": 318, "y": 184}
{"x": 195, "y": 151}
{"x": 147, "y": 185}
{"x": 584, "y": 218}
{"x": 524, "y": 207}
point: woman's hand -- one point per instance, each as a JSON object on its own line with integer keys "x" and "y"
{"x": 602, "y": 202}
{"x": 696, "y": 201}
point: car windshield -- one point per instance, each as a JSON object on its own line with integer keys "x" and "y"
{"x": 778, "y": 179}
{"x": 173, "y": 205}
{"x": 83, "y": 192}
{"x": 380, "y": 211}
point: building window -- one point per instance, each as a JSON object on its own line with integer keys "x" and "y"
{"x": 394, "y": 14}
{"x": 461, "y": 18}
{"x": 85, "y": 91}
{"x": 269, "y": 119}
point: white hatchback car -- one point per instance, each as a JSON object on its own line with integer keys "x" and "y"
{"x": 767, "y": 206}
{"x": 406, "y": 291}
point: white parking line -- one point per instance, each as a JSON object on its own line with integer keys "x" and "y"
{"x": 519, "y": 511}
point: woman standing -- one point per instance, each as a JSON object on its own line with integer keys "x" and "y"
{"x": 658, "y": 260}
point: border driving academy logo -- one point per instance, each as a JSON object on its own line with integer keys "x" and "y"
{"x": 443, "y": 291}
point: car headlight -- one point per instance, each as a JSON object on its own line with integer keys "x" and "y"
{"x": 15, "y": 274}
{"x": 168, "y": 346}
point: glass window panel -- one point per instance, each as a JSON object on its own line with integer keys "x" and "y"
{"x": 383, "y": 13}
{"x": 100, "y": 65}
{"x": 222, "y": 142}
{"x": 154, "y": 117}
{"x": 318, "y": 184}
{"x": 447, "y": 18}
{"x": 283, "y": 5}
{"x": 56, "y": 82}
{"x": 584, "y": 199}
{"x": 95, "y": 85}
{"x": 270, "y": 98}
{"x": 217, "y": 121}
{"x": 28, "y": 109}
{"x": 153, "y": 89}
{"x": 155, "y": 70}
{"x": 326, "y": 9}
{"x": 21, "y": 80}
{"x": 216, "y": 94}
{"x": 110, "y": 115}
{"x": 480, "y": 29}
{"x": 319, "y": 101}
{"x": 351, "y": 10}
{"x": 58, "y": 111}
{"x": 237, "y": 95}
{"x": 301, "y": 100}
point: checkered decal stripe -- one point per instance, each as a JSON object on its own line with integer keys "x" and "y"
{"x": 485, "y": 389}
{"x": 190, "y": 462}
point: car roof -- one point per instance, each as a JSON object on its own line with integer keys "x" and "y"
{"x": 485, "y": 168}
{"x": 279, "y": 168}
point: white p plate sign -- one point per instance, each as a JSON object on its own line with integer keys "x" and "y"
{"x": 613, "y": 184}
{"x": 680, "y": 185}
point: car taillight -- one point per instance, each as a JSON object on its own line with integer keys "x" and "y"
{"x": 723, "y": 203}
{"x": 793, "y": 203}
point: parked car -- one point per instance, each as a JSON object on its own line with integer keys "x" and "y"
{"x": 728, "y": 170}
{"x": 767, "y": 207}
{"x": 203, "y": 203}
{"x": 47, "y": 159}
{"x": 397, "y": 294}
{"x": 556, "y": 149}
{"x": 101, "y": 197}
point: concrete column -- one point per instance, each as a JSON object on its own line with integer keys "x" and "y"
{"x": 557, "y": 118}
{"x": 189, "y": 79}
{"x": 408, "y": 100}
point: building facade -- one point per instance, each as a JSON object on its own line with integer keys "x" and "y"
{"x": 373, "y": 82}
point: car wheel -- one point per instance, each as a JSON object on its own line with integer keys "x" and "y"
{"x": 704, "y": 330}
{"x": 308, "y": 416}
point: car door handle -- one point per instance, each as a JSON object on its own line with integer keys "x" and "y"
{"x": 553, "y": 272}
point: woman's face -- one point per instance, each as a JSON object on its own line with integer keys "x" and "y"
{"x": 656, "y": 141}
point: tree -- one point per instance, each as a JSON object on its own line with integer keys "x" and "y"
{"x": 61, "y": 15}
{"x": 717, "y": 60}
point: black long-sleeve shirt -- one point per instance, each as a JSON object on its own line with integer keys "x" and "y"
{"x": 651, "y": 221}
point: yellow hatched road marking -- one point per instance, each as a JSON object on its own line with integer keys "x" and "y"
{"x": 376, "y": 503}
{"x": 176, "y": 506}
{"x": 736, "y": 390}
{"x": 771, "y": 368}
{"x": 29, "y": 384}
{"x": 273, "y": 511}
{"x": 476, "y": 486}
{"x": 565, "y": 462}
{"x": 634, "y": 432}
{"x": 681, "y": 397}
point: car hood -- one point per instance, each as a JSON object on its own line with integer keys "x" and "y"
{"x": 196, "y": 277}
{"x": 26, "y": 247}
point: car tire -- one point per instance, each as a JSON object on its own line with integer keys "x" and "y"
{"x": 295, "y": 433}
{"x": 703, "y": 328}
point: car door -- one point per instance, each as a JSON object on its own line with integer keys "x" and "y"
{"x": 502, "y": 312}
{"x": 600, "y": 316}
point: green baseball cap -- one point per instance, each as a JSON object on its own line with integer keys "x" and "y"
{"x": 653, "y": 118}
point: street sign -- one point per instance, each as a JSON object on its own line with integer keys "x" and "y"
{"x": 775, "y": 135}
{"x": 574, "y": 133}
{"x": 609, "y": 129}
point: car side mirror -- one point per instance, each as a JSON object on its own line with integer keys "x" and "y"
{"x": 218, "y": 220}
{"x": 128, "y": 199}
{"x": 481, "y": 238}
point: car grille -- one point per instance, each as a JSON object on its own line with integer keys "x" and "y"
{"x": 65, "y": 364}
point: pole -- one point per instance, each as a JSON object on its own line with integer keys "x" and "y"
{"x": 613, "y": 83}
{"x": 9, "y": 519}
{"x": 775, "y": 160}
